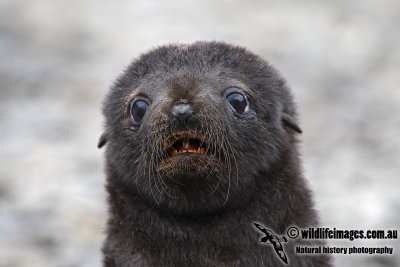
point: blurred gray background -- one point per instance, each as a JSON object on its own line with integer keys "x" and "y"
{"x": 58, "y": 58}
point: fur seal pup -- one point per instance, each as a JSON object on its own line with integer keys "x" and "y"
{"x": 201, "y": 142}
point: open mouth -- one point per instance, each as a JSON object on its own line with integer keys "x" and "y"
{"x": 187, "y": 144}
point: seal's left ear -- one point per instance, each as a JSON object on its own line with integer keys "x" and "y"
{"x": 289, "y": 122}
{"x": 102, "y": 140}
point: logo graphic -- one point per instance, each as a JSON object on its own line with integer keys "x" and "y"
{"x": 273, "y": 239}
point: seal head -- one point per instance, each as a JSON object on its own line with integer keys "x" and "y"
{"x": 189, "y": 128}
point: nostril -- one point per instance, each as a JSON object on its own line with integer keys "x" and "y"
{"x": 182, "y": 112}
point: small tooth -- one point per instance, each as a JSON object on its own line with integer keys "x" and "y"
{"x": 186, "y": 143}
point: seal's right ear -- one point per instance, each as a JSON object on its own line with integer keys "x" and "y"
{"x": 102, "y": 140}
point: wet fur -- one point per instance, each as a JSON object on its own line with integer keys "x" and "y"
{"x": 199, "y": 212}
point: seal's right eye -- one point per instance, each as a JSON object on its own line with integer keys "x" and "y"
{"x": 138, "y": 109}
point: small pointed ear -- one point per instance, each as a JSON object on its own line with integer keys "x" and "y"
{"x": 102, "y": 140}
{"x": 289, "y": 122}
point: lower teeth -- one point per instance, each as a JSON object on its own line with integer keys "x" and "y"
{"x": 200, "y": 150}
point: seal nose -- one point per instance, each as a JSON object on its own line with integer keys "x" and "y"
{"x": 182, "y": 112}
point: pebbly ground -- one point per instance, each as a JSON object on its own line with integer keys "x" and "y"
{"x": 57, "y": 59}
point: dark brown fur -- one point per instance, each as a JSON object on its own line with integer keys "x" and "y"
{"x": 199, "y": 211}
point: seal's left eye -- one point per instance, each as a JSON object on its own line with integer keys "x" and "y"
{"x": 237, "y": 101}
{"x": 138, "y": 109}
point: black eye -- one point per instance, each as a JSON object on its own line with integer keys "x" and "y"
{"x": 237, "y": 101}
{"x": 138, "y": 109}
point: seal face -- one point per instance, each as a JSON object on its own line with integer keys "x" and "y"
{"x": 188, "y": 126}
